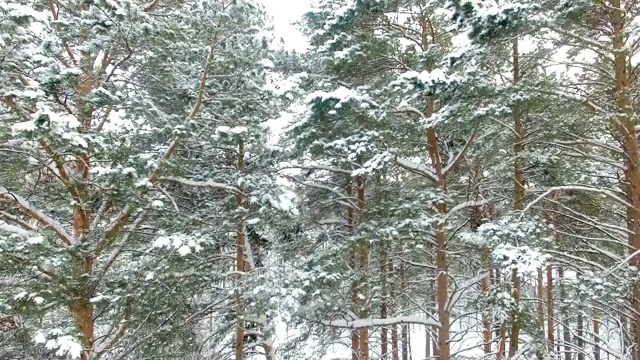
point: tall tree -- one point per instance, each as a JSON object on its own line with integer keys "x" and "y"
{"x": 108, "y": 113}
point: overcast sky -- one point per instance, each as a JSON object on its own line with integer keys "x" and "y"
{"x": 284, "y": 12}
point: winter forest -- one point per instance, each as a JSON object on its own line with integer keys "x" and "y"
{"x": 428, "y": 179}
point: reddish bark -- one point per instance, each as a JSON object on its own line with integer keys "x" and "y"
{"x": 502, "y": 336}
{"x": 475, "y": 221}
{"x": 625, "y": 125}
{"x": 550, "y": 321}
{"x": 363, "y": 264}
{"x": 428, "y": 37}
{"x": 240, "y": 266}
{"x": 486, "y": 320}
{"x": 519, "y": 191}
{"x": 540, "y": 298}
{"x": 394, "y": 328}
{"x": 384, "y": 340}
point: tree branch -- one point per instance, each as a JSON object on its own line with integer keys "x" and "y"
{"x": 36, "y": 214}
{"x": 360, "y": 323}
{"x": 208, "y": 183}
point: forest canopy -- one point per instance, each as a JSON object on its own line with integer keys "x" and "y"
{"x": 427, "y": 180}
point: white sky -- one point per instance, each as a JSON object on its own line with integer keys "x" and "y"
{"x": 284, "y": 13}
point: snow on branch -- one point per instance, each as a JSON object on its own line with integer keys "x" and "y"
{"x": 208, "y": 183}
{"x": 623, "y": 263}
{"x": 416, "y": 168}
{"x": 574, "y": 97}
{"x": 360, "y": 323}
{"x": 577, "y": 188}
{"x": 596, "y": 46}
{"x": 14, "y": 229}
{"x": 16, "y": 220}
{"x": 319, "y": 167}
{"x": 349, "y": 200}
{"x": 457, "y": 294}
{"x": 467, "y": 204}
{"x": 36, "y": 214}
{"x": 249, "y": 253}
{"x": 413, "y": 110}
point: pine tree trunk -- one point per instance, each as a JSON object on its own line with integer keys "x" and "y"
{"x": 364, "y": 267}
{"x": 475, "y": 221}
{"x": 355, "y": 345}
{"x": 540, "y": 298}
{"x": 501, "y": 331}
{"x": 409, "y": 342}
{"x": 428, "y": 38}
{"x": 394, "y": 328}
{"x": 580, "y": 331}
{"x": 486, "y": 317}
{"x": 596, "y": 334}
{"x": 394, "y": 343}
{"x": 428, "y": 339}
{"x": 82, "y": 307}
{"x": 625, "y": 125}
{"x": 269, "y": 353}
{"x": 356, "y": 353}
{"x": 404, "y": 327}
{"x": 434, "y": 341}
{"x": 384, "y": 340}
{"x": 566, "y": 334}
{"x": 518, "y": 148}
{"x": 442, "y": 262}
{"x": 502, "y": 336}
{"x": 405, "y": 343}
{"x": 355, "y": 333}
{"x": 359, "y": 337}
{"x": 550, "y": 321}
{"x": 240, "y": 266}
{"x": 83, "y": 314}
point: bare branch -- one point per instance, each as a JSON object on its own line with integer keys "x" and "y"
{"x": 360, "y": 323}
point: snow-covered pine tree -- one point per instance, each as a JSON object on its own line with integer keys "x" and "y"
{"x": 414, "y": 104}
{"x": 116, "y": 119}
{"x": 598, "y": 42}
